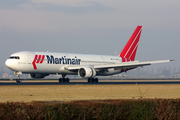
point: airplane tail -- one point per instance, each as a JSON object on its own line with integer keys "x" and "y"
{"x": 129, "y": 51}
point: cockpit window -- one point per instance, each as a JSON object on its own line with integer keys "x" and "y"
{"x": 14, "y": 57}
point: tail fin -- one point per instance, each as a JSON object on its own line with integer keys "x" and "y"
{"x": 129, "y": 51}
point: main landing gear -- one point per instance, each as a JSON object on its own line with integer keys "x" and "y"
{"x": 63, "y": 79}
{"x": 93, "y": 80}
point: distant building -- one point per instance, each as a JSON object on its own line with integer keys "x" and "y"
{"x": 5, "y": 75}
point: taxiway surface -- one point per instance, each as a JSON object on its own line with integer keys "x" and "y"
{"x": 84, "y": 82}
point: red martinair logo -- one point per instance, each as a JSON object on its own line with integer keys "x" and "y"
{"x": 38, "y": 59}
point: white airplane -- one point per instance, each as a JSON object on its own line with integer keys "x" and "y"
{"x": 41, "y": 64}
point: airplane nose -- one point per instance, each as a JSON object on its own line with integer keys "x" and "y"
{"x": 8, "y": 63}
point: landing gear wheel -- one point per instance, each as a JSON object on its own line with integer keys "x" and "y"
{"x": 65, "y": 80}
{"x": 18, "y": 80}
{"x": 60, "y": 80}
{"x": 96, "y": 80}
{"x": 89, "y": 80}
{"x": 92, "y": 80}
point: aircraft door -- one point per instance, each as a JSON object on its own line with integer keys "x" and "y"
{"x": 29, "y": 60}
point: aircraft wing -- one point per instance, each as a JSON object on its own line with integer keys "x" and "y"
{"x": 123, "y": 65}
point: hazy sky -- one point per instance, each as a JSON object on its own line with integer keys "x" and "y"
{"x": 90, "y": 26}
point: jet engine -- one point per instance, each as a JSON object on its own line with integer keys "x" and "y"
{"x": 87, "y": 72}
{"x": 38, "y": 75}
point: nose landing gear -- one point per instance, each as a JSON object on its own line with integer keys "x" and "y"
{"x": 18, "y": 75}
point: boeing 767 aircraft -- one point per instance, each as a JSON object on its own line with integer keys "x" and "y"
{"x": 41, "y": 64}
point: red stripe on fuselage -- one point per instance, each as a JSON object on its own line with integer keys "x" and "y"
{"x": 42, "y": 59}
{"x": 38, "y": 59}
{"x": 34, "y": 61}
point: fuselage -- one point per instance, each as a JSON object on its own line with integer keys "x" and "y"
{"x": 56, "y": 63}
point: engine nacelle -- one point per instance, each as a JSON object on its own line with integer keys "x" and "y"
{"x": 38, "y": 75}
{"x": 87, "y": 72}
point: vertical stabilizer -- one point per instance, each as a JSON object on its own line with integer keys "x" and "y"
{"x": 129, "y": 51}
